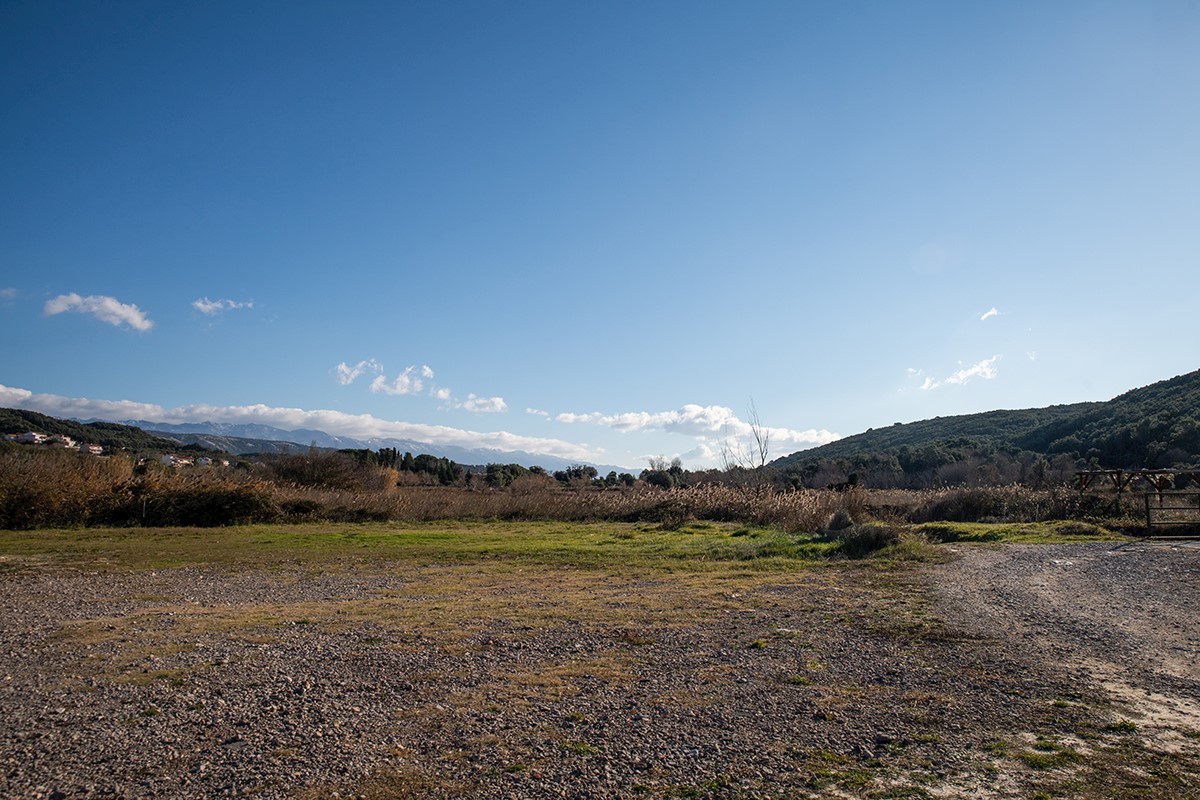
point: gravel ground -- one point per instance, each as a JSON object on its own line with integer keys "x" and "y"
{"x": 1120, "y": 616}
{"x": 848, "y": 682}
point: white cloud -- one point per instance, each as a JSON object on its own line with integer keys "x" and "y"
{"x": 537, "y": 412}
{"x": 212, "y": 307}
{"x": 701, "y": 453}
{"x": 404, "y": 383}
{"x": 1032, "y": 355}
{"x": 358, "y": 426}
{"x": 105, "y": 309}
{"x": 410, "y": 381}
{"x": 991, "y": 312}
{"x": 985, "y": 370}
{"x": 414, "y": 380}
{"x": 347, "y": 374}
{"x": 8, "y": 293}
{"x": 710, "y": 423}
{"x": 571, "y": 418}
{"x": 484, "y": 405}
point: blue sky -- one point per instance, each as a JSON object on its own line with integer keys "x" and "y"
{"x": 596, "y": 230}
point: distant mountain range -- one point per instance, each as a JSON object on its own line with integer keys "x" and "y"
{"x": 240, "y": 439}
{"x": 234, "y": 445}
{"x": 146, "y": 436}
{"x": 1155, "y": 426}
{"x": 243, "y": 436}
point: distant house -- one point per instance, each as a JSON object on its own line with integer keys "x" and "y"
{"x": 93, "y": 449}
{"x": 203, "y": 461}
{"x": 61, "y": 440}
{"x": 31, "y": 438}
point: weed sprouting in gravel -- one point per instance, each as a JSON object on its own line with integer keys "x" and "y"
{"x": 996, "y": 747}
{"x": 1048, "y": 755}
{"x": 1121, "y": 726}
{"x": 900, "y": 793}
{"x": 635, "y": 638}
{"x": 579, "y": 748}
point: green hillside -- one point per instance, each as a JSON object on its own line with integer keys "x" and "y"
{"x": 1000, "y": 429}
{"x": 109, "y": 434}
{"x": 1156, "y": 426}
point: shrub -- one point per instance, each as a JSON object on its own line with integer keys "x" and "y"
{"x": 206, "y": 505}
{"x": 858, "y": 541}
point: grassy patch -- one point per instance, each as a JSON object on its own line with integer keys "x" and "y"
{"x": 1048, "y": 755}
{"x": 996, "y": 747}
{"x": 605, "y": 546}
{"x": 900, "y": 793}
{"x": 635, "y": 638}
{"x": 1121, "y": 726}
{"x": 1056, "y": 532}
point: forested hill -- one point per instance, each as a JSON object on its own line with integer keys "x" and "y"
{"x": 1154, "y": 426}
{"x": 109, "y": 434}
{"x": 996, "y": 428}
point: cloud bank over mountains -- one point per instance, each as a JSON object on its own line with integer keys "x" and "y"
{"x": 357, "y": 426}
{"x": 707, "y": 423}
{"x": 706, "y": 429}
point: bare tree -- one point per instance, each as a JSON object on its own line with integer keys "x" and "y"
{"x": 762, "y": 439}
{"x": 737, "y": 455}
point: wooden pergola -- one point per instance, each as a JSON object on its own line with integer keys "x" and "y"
{"x": 1159, "y": 480}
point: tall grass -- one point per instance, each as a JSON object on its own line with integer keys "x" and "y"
{"x": 55, "y": 488}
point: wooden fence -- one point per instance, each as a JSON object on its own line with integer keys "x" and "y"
{"x": 1171, "y": 508}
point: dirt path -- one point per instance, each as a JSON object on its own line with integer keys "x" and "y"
{"x": 1124, "y": 617}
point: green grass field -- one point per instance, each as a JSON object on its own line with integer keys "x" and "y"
{"x": 600, "y": 546}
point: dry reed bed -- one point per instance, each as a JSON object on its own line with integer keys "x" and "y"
{"x": 61, "y": 489}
